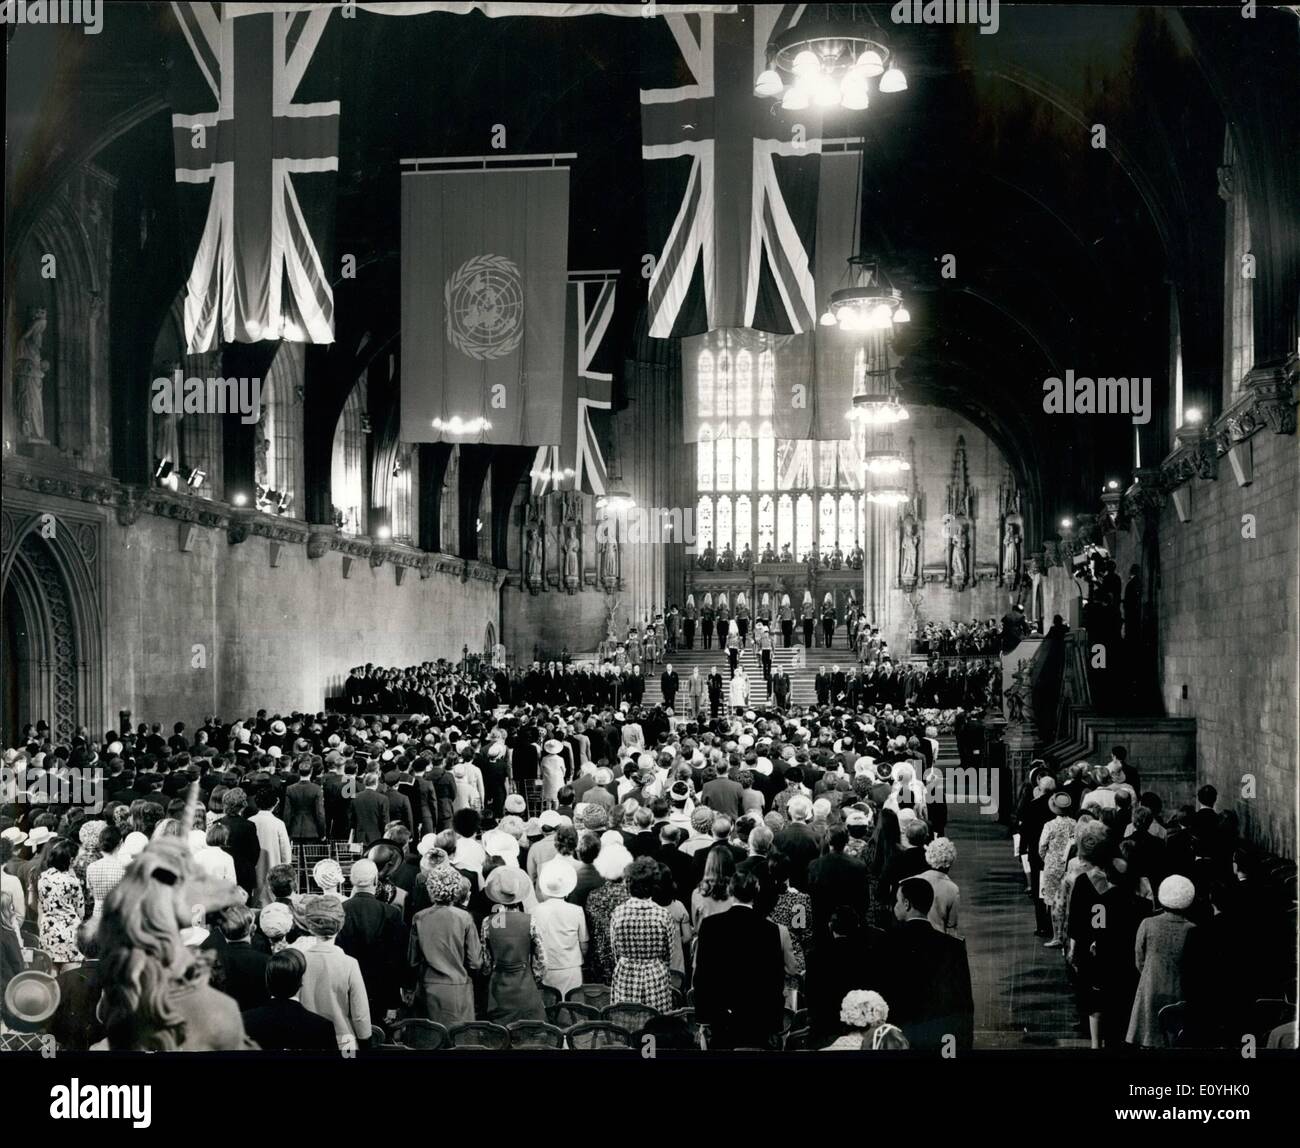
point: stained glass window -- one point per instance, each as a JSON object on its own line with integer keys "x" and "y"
{"x": 766, "y": 458}
{"x": 803, "y": 526}
{"x": 743, "y": 476}
{"x": 744, "y": 523}
{"x": 826, "y": 533}
{"x": 706, "y": 384}
{"x": 722, "y": 464}
{"x": 704, "y": 523}
{"x": 766, "y": 523}
{"x": 704, "y": 469}
{"x": 848, "y": 522}
{"x": 743, "y": 390}
{"x": 766, "y": 384}
{"x": 785, "y": 523}
{"x": 724, "y": 523}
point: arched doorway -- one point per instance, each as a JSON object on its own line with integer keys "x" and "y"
{"x": 53, "y": 644}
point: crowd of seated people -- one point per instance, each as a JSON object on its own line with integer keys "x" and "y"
{"x": 757, "y": 874}
{"x": 1172, "y": 931}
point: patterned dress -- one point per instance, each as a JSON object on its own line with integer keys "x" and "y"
{"x": 62, "y": 909}
{"x": 793, "y": 906}
{"x": 641, "y": 940}
{"x": 1054, "y": 847}
{"x": 600, "y": 912}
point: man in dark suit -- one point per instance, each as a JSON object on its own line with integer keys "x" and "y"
{"x": 715, "y": 693}
{"x": 1037, "y": 814}
{"x": 668, "y": 681}
{"x": 780, "y": 688}
{"x": 242, "y": 844}
{"x": 374, "y": 934}
{"x": 836, "y": 881}
{"x": 740, "y": 972}
{"x": 933, "y": 1001}
{"x": 241, "y": 969}
{"x": 369, "y": 811}
{"x": 399, "y": 808}
{"x": 304, "y": 807}
{"x": 796, "y": 842}
{"x": 283, "y": 1024}
{"x": 723, "y": 795}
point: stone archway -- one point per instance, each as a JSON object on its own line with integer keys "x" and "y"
{"x": 53, "y": 656}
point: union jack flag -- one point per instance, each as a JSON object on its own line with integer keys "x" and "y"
{"x": 577, "y": 461}
{"x": 243, "y": 123}
{"x": 731, "y": 186}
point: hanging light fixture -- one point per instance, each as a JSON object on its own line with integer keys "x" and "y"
{"x": 888, "y": 495}
{"x": 870, "y": 303}
{"x": 877, "y": 410}
{"x": 830, "y": 63}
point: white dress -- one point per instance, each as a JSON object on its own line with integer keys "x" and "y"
{"x": 739, "y": 691}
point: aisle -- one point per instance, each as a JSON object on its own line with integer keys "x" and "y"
{"x": 1022, "y": 996}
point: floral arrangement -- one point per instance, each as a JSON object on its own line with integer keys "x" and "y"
{"x": 863, "y": 1008}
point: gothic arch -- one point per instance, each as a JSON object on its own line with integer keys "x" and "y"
{"x": 50, "y": 566}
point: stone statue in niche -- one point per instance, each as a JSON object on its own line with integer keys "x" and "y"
{"x": 958, "y": 534}
{"x": 571, "y": 546}
{"x": 1012, "y": 547}
{"x": 29, "y": 372}
{"x": 909, "y": 557}
{"x": 609, "y": 562}
{"x": 533, "y": 544}
{"x": 572, "y": 571}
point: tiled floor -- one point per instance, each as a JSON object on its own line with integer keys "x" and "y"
{"x": 1022, "y": 996}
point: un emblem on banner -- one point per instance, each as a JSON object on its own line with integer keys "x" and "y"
{"x": 485, "y": 307}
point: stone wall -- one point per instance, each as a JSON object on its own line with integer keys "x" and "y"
{"x": 276, "y": 638}
{"x": 1228, "y": 624}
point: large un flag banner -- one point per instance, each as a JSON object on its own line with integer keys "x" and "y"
{"x": 484, "y": 272}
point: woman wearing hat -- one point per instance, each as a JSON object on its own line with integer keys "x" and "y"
{"x": 561, "y": 925}
{"x": 553, "y": 773}
{"x": 513, "y": 955}
{"x": 332, "y": 986}
{"x": 445, "y": 948}
{"x": 1161, "y": 945}
{"x": 611, "y": 863}
{"x": 1054, "y": 848}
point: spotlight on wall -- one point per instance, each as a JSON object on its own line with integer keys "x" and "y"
{"x": 1112, "y": 485}
{"x": 1192, "y": 415}
{"x": 1067, "y": 523}
{"x": 240, "y": 499}
{"x": 383, "y": 533}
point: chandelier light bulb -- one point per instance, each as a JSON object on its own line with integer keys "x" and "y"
{"x": 854, "y": 95}
{"x": 826, "y": 92}
{"x": 828, "y": 319}
{"x": 806, "y": 64}
{"x": 893, "y": 81}
{"x": 796, "y": 98}
{"x": 768, "y": 84}
{"x": 869, "y": 64}
{"x": 902, "y": 315}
